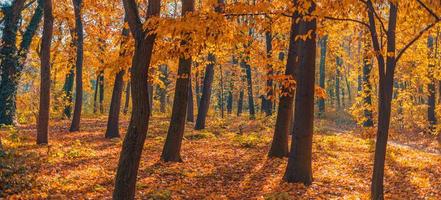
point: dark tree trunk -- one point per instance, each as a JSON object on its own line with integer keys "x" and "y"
{"x": 101, "y": 85}
{"x": 198, "y": 90}
{"x": 127, "y": 99}
{"x": 11, "y": 65}
{"x": 95, "y": 96}
{"x": 163, "y": 90}
{"x": 322, "y": 81}
{"x": 299, "y": 168}
{"x": 150, "y": 91}
{"x": 386, "y": 80}
{"x": 230, "y": 102}
{"x": 251, "y": 107}
{"x": 45, "y": 55}
{"x": 267, "y": 101}
{"x": 240, "y": 103}
{"x": 75, "y": 126}
{"x": 339, "y": 63}
{"x": 367, "y": 93}
{"x": 172, "y": 147}
{"x": 67, "y": 89}
{"x": 190, "y": 104}
{"x": 204, "y": 104}
{"x": 221, "y": 91}
{"x": 112, "y": 130}
{"x": 431, "y": 115}
{"x": 125, "y": 180}
{"x": 279, "y": 146}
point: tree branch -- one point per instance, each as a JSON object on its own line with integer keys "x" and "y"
{"x": 418, "y": 36}
{"x": 428, "y": 9}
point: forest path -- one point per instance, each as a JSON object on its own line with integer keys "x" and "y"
{"x": 335, "y": 129}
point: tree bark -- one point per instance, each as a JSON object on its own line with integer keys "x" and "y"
{"x": 10, "y": 63}
{"x": 112, "y": 130}
{"x": 431, "y": 115}
{"x": 190, "y": 104}
{"x": 79, "y": 40}
{"x": 322, "y": 81}
{"x": 279, "y": 146}
{"x": 386, "y": 79}
{"x": 267, "y": 101}
{"x": 299, "y": 168}
{"x": 43, "y": 114}
{"x": 127, "y": 99}
{"x": 172, "y": 147}
{"x": 125, "y": 180}
{"x": 204, "y": 104}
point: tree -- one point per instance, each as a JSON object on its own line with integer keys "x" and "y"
{"x": 12, "y": 65}
{"x": 172, "y": 147}
{"x": 130, "y": 156}
{"x": 299, "y": 167}
{"x": 190, "y": 104}
{"x": 112, "y": 130}
{"x": 45, "y": 54}
{"x": 279, "y": 145}
{"x": 79, "y": 41}
{"x": 204, "y": 103}
{"x": 323, "y": 49}
{"x": 431, "y": 115}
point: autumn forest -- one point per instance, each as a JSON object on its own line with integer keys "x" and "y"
{"x": 220, "y": 99}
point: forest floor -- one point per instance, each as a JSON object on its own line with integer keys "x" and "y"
{"x": 228, "y": 160}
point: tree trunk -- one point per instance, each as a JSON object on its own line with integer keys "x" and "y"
{"x": 367, "y": 93}
{"x": 172, "y": 147}
{"x": 267, "y": 101}
{"x": 101, "y": 85}
{"x": 204, "y": 104}
{"x": 322, "y": 81}
{"x": 112, "y": 130}
{"x": 9, "y": 62}
{"x": 250, "y": 90}
{"x": 163, "y": 91}
{"x": 299, "y": 168}
{"x": 127, "y": 99}
{"x": 125, "y": 180}
{"x": 431, "y": 115}
{"x": 230, "y": 102}
{"x": 95, "y": 96}
{"x": 386, "y": 80}
{"x": 279, "y": 146}
{"x": 339, "y": 63}
{"x": 190, "y": 104}
{"x": 221, "y": 90}
{"x": 197, "y": 88}
{"x": 240, "y": 103}
{"x": 75, "y": 126}
{"x": 67, "y": 89}
{"x": 45, "y": 85}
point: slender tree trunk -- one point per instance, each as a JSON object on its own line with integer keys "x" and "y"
{"x": 431, "y": 115}
{"x": 339, "y": 63}
{"x": 204, "y": 104}
{"x": 112, "y": 130}
{"x": 367, "y": 93}
{"x": 221, "y": 90}
{"x": 322, "y": 81}
{"x": 300, "y": 158}
{"x": 197, "y": 88}
{"x": 251, "y": 107}
{"x": 386, "y": 79}
{"x": 127, "y": 99}
{"x": 190, "y": 104}
{"x": 125, "y": 180}
{"x": 240, "y": 103}
{"x": 75, "y": 126}
{"x": 172, "y": 147}
{"x": 267, "y": 101}
{"x": 230, "y": 102}
{"x": 101, "y": 85}
{"x": 163, "y": 91}
{"x": 45, "y": 85}
{"x": 279, "y": 146}
{"x": 67, "y": 89}
{"x": 95, "y": 96}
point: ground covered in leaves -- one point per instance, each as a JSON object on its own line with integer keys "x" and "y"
{"x": 226, "y": 161}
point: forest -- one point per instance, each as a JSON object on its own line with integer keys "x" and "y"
{"x": 220, "y": 99}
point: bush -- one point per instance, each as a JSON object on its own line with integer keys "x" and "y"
{"x": 251, "y": 140}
